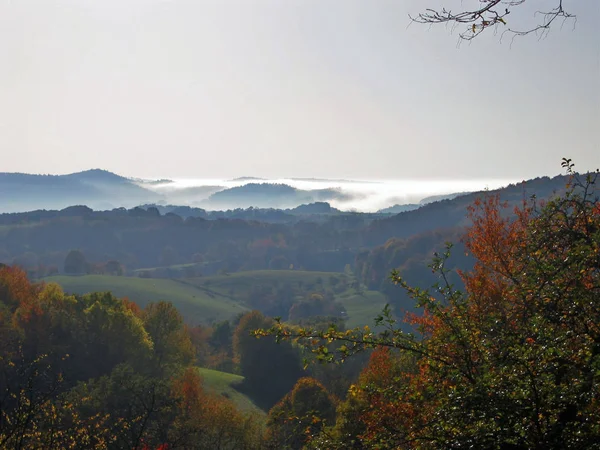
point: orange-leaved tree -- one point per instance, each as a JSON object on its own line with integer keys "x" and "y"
{"x": 512, "y": 362}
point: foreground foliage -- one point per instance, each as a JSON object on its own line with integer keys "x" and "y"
{"x": 97, "y": 372}
{"x": 512, "y": 362}
{"x": 303, "y": 412}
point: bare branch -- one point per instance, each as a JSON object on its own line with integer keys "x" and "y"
{"x": 494, "y": 14}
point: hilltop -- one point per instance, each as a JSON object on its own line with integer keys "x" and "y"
{"x": 96, "y": 188}
{"x": 313, "y": 237}
{"x": 272, "y": 195}
{"x": 206, "y": 300}
{"x": 452, "y": 212}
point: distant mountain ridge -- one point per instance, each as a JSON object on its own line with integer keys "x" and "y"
{"x": 96, "y": 188}
{"x": 452, "y": 212}
{"x": 272, "y": 195}
{"x": 102, "y": 190}
{"x": 438, "y": 198}
{"x": 400, "y": 208}
{"x": 248, "y": 179}
{"x": 97, "y": 176}
{"x": 315, "y": 237}
{"x": 397, "y": 209}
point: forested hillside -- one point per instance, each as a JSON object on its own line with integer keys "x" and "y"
{"x": 98, "y": 372}
{"x": 515, "y": 347}
{"x": 449, "y": 213}
{"x": 508, "y": 362}
{"x": 380, "y": 278}
{"x": 316, "y": 239}
{"x": 96, "y": 188}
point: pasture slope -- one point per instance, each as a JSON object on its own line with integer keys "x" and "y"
{"x": 225, "y": 384}
{"x": 195, "y": 305}
{"x": 361, "y": 306}
{"x": 209, "y": 299}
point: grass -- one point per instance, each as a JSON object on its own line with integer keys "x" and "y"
{"x": 224, "y": 383}
{"x": 209, "y": 299}
{"x": 361, "y": 308}
{"x": 172, "y": 267}
{"x": 242, "y": 281}
{"x": 196, "y": 305}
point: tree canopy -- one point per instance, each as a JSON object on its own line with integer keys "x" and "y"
{"x": 511, "y": 362}
{"x": 97, "y": 372}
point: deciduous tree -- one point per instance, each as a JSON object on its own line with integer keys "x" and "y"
{"x": 301, "y": 414}
{"x": 513, "y": 361}
{"x": 270, "y": 370}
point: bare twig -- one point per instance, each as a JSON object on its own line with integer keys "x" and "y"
{"x": 493, "y": 14}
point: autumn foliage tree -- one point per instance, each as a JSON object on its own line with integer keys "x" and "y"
{"x": 207, "y": 421}
{"x": 512, "y": 362}
{"x": 98, "y": 372}
{"x": 301, "y": 414}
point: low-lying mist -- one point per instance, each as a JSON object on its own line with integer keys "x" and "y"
{"x": 349, "y": 195}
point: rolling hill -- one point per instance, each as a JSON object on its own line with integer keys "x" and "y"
{"x": 195, "y": 304}
{"x": 361, "y": 307}
{"x": 209, "y": 299}
{"x": 452, "y": 212}
{"x": 225, "y": 384}
{"x": 97, "y": 189}
{"x": 271, "y": 195}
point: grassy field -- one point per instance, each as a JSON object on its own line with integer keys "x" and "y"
{"x": 173, "y": 266}
{"x": 225, "y": 384}
{"x": 242, "y": 281}
{"x": 196, "y": 305}
{"x": 208, "y": 299}
{"x": 361, "y": 308}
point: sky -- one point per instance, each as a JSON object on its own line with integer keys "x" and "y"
{"x": 292, "y": 88}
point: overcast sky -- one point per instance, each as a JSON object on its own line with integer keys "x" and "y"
{"x": 281, "y": 88}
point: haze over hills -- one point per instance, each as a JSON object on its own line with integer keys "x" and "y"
{"x": 182, "y": 242}
{"x": 396, "y": 209}
{"x": 452, "y": 211}
{"x": 98, "y": 189}
{"x": 316, "y": 236}
{"x": 304, "y": 225}
{"x": 103, "y": 190}
{"x": 267, "y": 195}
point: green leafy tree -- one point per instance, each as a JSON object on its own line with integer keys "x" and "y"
{"x": 108, "y": 334}
{"x": 138, "y": 407}
{"x": 513, "y": 361}
{"x": 270, "y": 370}
{"x": 75, "y": 263}
{"x": 113, "y": 267}
{"x": 171, "y": 344}
{"x": 97, "y": 372}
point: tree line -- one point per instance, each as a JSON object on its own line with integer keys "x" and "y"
{"x": 127, "y": 240}
{"x": 509, "y": 362}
